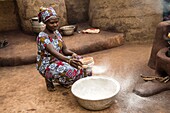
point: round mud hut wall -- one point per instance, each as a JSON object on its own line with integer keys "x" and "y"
{"x": 30, "y": 8}
{"x": 136, "y": 18}
{"x": 77, "y": 11}
{"x": 8, "y": 16}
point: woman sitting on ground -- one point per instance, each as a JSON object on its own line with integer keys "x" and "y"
{"x": 55, "y": 61}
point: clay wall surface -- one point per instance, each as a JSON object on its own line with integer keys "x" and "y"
{"x": 8, "y": 16}
{"x": 77, "y": 11}
{"x": 30, "y": 8}
{"x": 136, "y": 18}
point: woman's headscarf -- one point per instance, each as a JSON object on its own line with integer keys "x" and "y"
{"x": 46, "y": 13}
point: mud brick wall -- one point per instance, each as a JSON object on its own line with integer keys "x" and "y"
{"x": 77, "y": 11}
{"x": 30, "y": 8}
{"x": 8, "y": 16}
{"x": 136, "y": 18}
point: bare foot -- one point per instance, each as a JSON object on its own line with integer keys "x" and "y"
{"x": 151, "y": 88}
{"x": 50, "y": 85}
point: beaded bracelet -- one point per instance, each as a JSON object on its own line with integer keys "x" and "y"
{"x": 74, "y": 54}
{"x": 69, "y": 61}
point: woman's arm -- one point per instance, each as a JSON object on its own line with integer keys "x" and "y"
{"x": 73, "y": 62}
{"x": 58, "y": 55}
{"x": 66, "y": 51}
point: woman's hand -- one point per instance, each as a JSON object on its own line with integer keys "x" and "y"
{"x": 75, "y": 63}
{"x": 75, "y": 56}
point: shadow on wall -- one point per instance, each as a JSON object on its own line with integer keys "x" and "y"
{"x": 9, "y": 16}
{"x": 77, "y": 11}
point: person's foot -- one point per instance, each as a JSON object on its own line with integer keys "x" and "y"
{"x": 66, "y": 86}
{"x": 151, "y": 88}
{"x": 50, "y": 85}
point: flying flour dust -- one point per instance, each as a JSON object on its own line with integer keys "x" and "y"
{"x": 99, "y": 69}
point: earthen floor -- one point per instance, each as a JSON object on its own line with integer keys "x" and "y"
{"x": 22, "y": 89}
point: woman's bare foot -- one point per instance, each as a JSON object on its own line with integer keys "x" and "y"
{"x": 50, "y": 85}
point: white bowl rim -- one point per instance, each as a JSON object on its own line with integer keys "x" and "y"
{"x": 42, "y": 25}
{"x": 96, "y": 77}
{"x": 68, "y": 26}
{"x": 35, "y": 18}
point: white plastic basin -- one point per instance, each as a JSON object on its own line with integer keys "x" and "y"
{"x": 96, "y": 92}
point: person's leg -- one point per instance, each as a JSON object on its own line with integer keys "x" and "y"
{"x": 61, "y": 73}
{"x": 49, "y": 85}
{"x": 64, "y": 74}
{"x": 48, "y": 80}
{"x": 162, "y": 29}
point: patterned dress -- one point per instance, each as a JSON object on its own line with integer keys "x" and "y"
{"x": 52, "y": 68}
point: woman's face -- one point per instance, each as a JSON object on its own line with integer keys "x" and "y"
{"x": 52, "y": 24}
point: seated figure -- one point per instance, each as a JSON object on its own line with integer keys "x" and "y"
{"x": 55, "y": 62}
